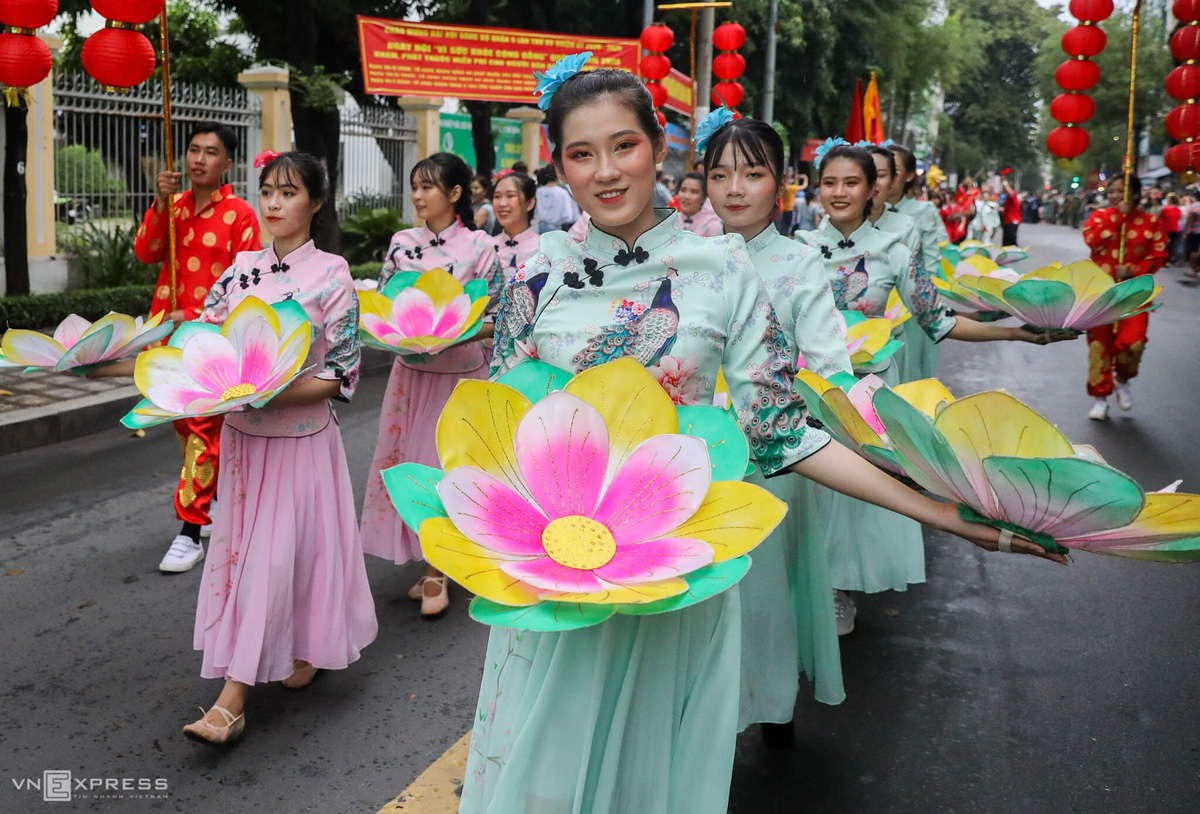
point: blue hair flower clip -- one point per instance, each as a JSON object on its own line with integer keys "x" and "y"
{"x": 561, "y": 71}
{"x": 708, "y": 128}
{"x": 829, "y": 144}
{"x": 886, "y": 143}
{"x": 864, "y": 144}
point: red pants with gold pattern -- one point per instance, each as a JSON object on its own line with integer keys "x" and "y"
{"x": 1116, "y": 348}
{"x": 201, "y": 440}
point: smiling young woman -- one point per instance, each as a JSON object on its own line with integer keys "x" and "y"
{"x": 514, "y": 198}
{"x": 633, "y": 715}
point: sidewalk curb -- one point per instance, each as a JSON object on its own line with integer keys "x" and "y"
{"x": 34, "y": 427}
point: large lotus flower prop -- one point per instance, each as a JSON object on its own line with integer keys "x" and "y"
{"x": 1077, "y": 297}
{"x": 869, "y": 342}
{"x": 210, "y": 370}
{"x": 422, "y": 313}
{"x": 896, "y": 312}
{"x": 1002, "y": 255}
{"x": 566, "y": 500}
{"x": 951, "y": 288}
{"x": 1007, "y": 466}
{"x": 78, "y": 345}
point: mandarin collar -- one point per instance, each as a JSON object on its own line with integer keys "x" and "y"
{"x": 833, "y": 236}
{"x": 763, "y": 239}
{"x": 297, "y": 255}
{"x": 668, "y": 228}
{"x": 450, "y": 231}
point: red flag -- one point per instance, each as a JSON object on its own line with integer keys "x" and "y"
{"x": 854, "y": 130}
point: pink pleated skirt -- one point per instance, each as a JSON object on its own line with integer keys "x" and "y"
{"x": 284, "y": 577}
{"x": 407, "y": 425}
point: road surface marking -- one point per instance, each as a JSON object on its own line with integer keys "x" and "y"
{"x": 433, "y": 791}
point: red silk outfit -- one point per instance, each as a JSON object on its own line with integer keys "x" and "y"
{"x": 1119, "y": 347}
{"x": 206, "y": 242}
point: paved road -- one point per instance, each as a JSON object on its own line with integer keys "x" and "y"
{"x": 1003, "y": 685}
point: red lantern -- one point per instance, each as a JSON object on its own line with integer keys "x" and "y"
{"x": 1092, "y": 11}
{"x": 729, "y": 66}
{"x": 24, "y": 60}
{"x": 658, "y": 38}
{"x": 28, "y": 14}
{"x": 1068, "y": 142}
{"x": 1185, "y": 44}
{"x": 1186, "y": 11}
{"x": 118, "y": 58}
{"x": 1183, "y": 157}
{"x": 1077, "y": 74}
{"x": 658, "y": 93}
{"x": 729, "y": 37}
{"x": 662, "y": 120}
{"x": 1183, "y": 122}
{"x": 128, "y": 11}
{"x": 655, "y": 67}
{"x": 1183, "y": 83}
{"x": 729, "y": 94}
{"x": 1084, "y": 41}
{"x": 1072, "y": 108}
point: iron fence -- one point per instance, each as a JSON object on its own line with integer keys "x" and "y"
{"x": 109, "y": 147}
{"x": 378, "y": 146}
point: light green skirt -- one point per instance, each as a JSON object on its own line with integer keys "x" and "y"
{"x": 636, "y": 715}
{"x": 788, "y": 623}
{"x": 920, "y": 356}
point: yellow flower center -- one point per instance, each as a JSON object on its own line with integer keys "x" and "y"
{"x": 237, "y": 391}
{"x": 579, "y": 542}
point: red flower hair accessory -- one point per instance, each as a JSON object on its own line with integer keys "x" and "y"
{"x": 264, "y": 158}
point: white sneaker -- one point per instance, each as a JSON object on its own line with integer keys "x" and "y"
{"x": 1099, "y": 411}
{"x": 206, "y": 530}
{"x": 845, "y": 610}
{"x": 182, "y": 556}
{"x": 1124, "y": 395}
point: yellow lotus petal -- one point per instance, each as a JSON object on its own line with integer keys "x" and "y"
{"x": 814, "y": 381}
{"x": 477, "y": 308}
{"x": 478, "y": 427}
{"x": 897, "y": 306}
{"x": 372, "y": 302}
{"x": 626, "y": 594}
{"x": 154, "y": 321}
{"x": 24, "y": 347}
{"x": 471, "y": 565}
{"x": 989, "y": 285}
{"x": 1085, "y": 278}
{"x": 928, "y": 395}
{"x": 996, "y": 423}
{"x": 984, "y": 265}
{"x": 124, "y": 328}
{"x": 734, "y": 518}
{"x": 878, "y": 333}
{"x": 631, "y": 402}
{"x": 246, "y": 311}
{"x": 860, "y": 431}
{"x": 440, "y": 285}
{"x": 298, "y": 343}
{"x": 150, "y": 364}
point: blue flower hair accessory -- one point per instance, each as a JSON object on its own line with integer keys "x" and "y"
{"x": 708, "y": 128}
{"x": 561, "y": 71}
{"x": 829, "y": 144}
{"x": 866, "y": 144}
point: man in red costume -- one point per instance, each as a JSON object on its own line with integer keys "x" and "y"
{"x": 1118, "y": 348}
{"x": 211, "y": 226}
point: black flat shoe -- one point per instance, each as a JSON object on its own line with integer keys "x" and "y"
{"x": 778, "y": 736}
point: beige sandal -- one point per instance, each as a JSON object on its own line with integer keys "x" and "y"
{"x": 417, "y": 591}
{"x": 302, "y": 675}
{"x": 434, "y": 606}
{"x": 204, "y": 731}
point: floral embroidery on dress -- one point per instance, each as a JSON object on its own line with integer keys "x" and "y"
{"x": 680, "y": 378}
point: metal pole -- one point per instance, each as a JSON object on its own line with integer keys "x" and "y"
{"x": 647, "y": 13}
{"x": 1137, "y": 12}
{"x": 704, "y": 58}
{"x": 695, "y": 98}
{"x": 768, "y": 106}
{"x": 169, "y": 148}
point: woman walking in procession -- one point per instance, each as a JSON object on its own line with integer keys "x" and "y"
{"x": 419, "y": 387}
{"x": 634, "y": 714}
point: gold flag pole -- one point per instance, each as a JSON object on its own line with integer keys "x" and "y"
{"x": 1137, "y": 13}
{"x": 169, "y": 147}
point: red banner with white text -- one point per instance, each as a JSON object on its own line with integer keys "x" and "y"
{"x": 468, "y": 62}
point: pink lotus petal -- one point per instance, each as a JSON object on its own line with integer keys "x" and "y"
{"x": 380, "y": 328}
{"x": 413, "y": 312}
{"x": 212, "y": 362}
{"x": 70, "y": 330}
{"x": 492, "y": 513}
{"x": 854, "y": 345}
{"x": 862, "y": 397}
{"x": 453, "y": 318}
{"x": 176, "y": 399}
{"x": 548, "y": 575}
{"x": 294, "y": 348}
{"x": 658, "y": 559}
{"x": 562, "y": 452}
{"x": 258, "y": 345}
{"x": 659, "y": 486}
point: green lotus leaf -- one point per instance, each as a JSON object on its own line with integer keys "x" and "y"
{"x": 534, "y": 379}
{"x": 400, "y": 281}
{"x": 413, "y": 490}
{"x": 702, "y": 584}
{"x": 728, "y": 451}
{"x": 544, "y": 617}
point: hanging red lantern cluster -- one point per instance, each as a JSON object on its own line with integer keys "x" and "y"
{"x": 657, "y": 39}
{"x": 1076, "y": 76}
{"x": 24, "y": 59}
{"x": 1183, "y": 84}
{"x": 119, "y": 56}
{"x": 728, "y": 65}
